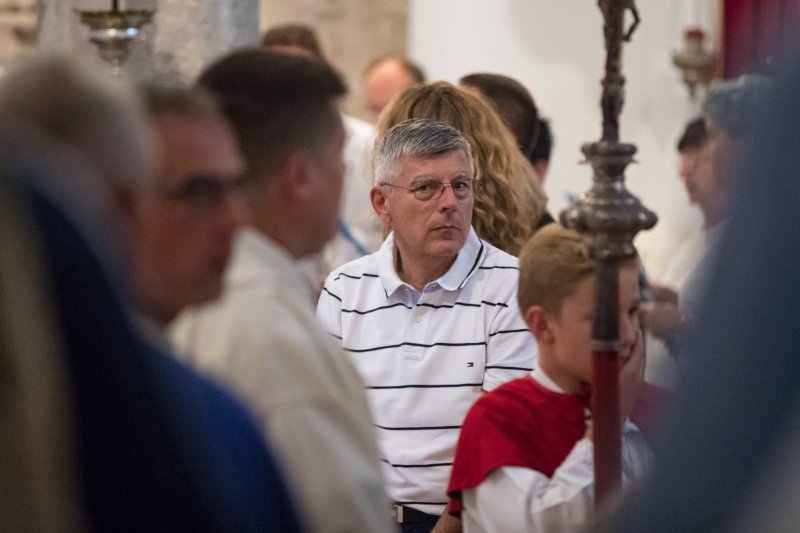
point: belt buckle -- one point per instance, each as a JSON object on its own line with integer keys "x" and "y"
{"x": 398, "y": 514}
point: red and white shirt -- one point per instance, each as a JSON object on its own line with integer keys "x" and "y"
{"x": 523, "y": 464}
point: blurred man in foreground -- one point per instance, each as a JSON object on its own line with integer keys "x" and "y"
{"x": 193, "y": 207}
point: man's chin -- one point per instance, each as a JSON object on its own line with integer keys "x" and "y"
{"x": 446, "y": 248}
{"x": 451, "y": 231}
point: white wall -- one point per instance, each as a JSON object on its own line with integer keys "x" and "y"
{"x": 555, "y": 48}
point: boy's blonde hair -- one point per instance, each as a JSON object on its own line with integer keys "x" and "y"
{"x": 551, "y": 264}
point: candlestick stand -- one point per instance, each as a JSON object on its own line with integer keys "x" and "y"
{"x": 114, "y": 31}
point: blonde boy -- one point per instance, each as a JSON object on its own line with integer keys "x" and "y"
{"x": 524, "y": 460}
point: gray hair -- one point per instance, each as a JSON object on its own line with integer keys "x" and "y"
{"x": 419, "y": 138}
{"x": 734, "y": 105}
{"x": 99, "y": 117}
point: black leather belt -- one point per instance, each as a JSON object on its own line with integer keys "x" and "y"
{"x": 407, "y": 515}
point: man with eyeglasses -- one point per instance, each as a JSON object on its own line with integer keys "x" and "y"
{"x": 193, "y": 208}
{"x": 430, "y": 320}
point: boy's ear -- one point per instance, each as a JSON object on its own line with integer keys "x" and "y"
{"x": 538, "y": 321}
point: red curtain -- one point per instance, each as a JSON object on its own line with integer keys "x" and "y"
{"x": 755, "y": 31}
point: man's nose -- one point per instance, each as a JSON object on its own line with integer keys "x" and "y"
{"x": 447, "y": 199}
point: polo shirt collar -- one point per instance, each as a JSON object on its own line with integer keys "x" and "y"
{"x": 463, "y": 268}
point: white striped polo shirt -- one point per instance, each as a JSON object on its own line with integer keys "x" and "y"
{"x": 425, "y": 357}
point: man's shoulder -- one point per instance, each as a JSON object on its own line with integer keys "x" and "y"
{"x": 252, "y": 319}
{"x": 496, "y": 270}
{"x": 279, "y": 343}
{"x": 267, "y": 316}
{"x": 261, "y": 275}
{"x": 362, "y": 268}
{"x": 256, "y": 259}
{"x": 495, "y": 257}
{"x": 258, "y": 295}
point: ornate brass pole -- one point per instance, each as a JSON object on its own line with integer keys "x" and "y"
{"x": 608, "y": 217}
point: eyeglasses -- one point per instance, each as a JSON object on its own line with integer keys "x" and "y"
{"x": 203, "y": 192}
{"x": 433, "y": 190}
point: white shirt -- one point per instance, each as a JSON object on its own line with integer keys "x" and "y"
{"x": 515, "y": 498}
{"x": 426, "y": 357}
{"x": 262, "y": 341}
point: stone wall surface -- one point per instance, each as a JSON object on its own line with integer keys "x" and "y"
{"x": 192, "y": 33}
{"x": 352, "y": 32}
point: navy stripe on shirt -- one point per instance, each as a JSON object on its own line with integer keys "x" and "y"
{"x": 420, "y": 428}
{"x": 342, "y": 274}
{"x": 504, "y": 331}
{"x": 443, "y": 386}
{"x": 487, "y": 367}
{"x": 376, "y": 348}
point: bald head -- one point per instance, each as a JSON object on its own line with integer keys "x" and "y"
{"x": 385, "y": 78}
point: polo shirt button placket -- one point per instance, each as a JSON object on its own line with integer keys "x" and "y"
{"x": 415, "y": 333}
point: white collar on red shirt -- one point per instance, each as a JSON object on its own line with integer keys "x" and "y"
{"x": 543, "y": 379}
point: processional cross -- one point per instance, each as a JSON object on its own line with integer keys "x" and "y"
{"x": 608, "y": 217}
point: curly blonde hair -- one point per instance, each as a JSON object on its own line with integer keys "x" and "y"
{"x": 511, "y": 199}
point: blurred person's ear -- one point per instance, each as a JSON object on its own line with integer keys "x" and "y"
{"x": 295, "y": 177}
